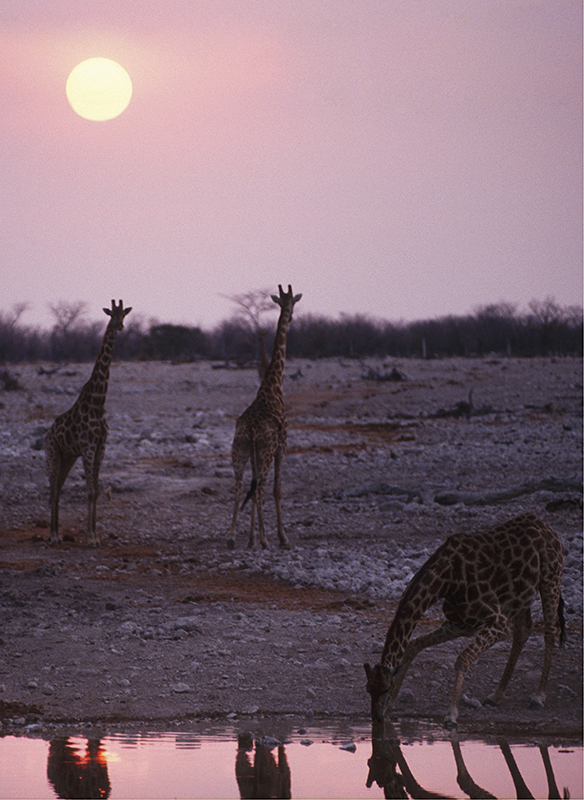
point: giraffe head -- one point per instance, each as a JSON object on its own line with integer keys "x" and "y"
{"x": 117, "y": 313}
{"x": 286, "y": 299}
{"x": 379, "y": 685}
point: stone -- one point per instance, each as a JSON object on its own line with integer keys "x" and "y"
{"x": 190, "y": 624}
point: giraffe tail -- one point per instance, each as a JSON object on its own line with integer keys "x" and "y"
{"x": 562, "y": 621}
{"x": 251, "y": 492}
{"x": 254, "y": 470}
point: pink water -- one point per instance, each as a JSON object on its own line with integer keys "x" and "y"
{"x": 199, "y": 765}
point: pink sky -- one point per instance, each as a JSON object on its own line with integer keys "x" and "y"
{"x": 399, "y": 159}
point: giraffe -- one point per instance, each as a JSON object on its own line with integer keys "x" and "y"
{"x": 488, "y": 582}
{"x": 260, "y": 433}
{"x": 82, "y": 431}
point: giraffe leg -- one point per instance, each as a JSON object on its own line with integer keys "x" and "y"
{"x": 550, "y": 600}
{"x": 521, "y": 632}
{"x": 538, "y": 699}
{"x": 91, "y": 464}
{"x": 258, "y": 504}
{"x": 91, "y": 492}
{"x": 261, "y": 461}
{"x": 58, "y": 467}
{"x": 445, "y": 633}
{"x": 252, "y": 524}
{"x": 240, "y": 453}
{"x": 237, "y": 500}
{"x": 485, "y": 638}
{"x": 256, "y": 491}
{"x": 278, "y": 496}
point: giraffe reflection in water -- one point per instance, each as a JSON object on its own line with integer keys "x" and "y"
{"x": 265, "y": 777}
{"x": 73, "y": 775}
{"x": 389, "y": 769}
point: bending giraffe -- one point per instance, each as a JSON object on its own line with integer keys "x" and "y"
{"x": 260, "y": 434}
{"x": 82, "y": 432}
{"x": 488, "y": 582}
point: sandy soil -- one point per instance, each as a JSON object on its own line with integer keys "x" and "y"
{"x": 163, "y": 624}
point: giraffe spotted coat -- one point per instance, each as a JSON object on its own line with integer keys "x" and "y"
{"x": 260, "y": 434}
{"x": 81, "y": 432}
{"x": 488, "y": 582}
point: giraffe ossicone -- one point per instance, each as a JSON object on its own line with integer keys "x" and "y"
{"x": 488, "y": 582}
{"x": 260, "y": 434}
{"x": 82, "y": 432}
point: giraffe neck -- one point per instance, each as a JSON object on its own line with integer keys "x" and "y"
{"x": 417, "y": 599}
{"x": 271, "y": 386}
{"x": 95, "y": 390}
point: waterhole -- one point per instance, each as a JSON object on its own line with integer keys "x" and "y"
{"x": 333, "y": 762}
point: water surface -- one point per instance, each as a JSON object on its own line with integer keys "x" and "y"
{"x": 341, "y": 762}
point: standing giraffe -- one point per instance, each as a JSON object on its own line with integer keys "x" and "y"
{"x": 488, "y": 582}
{"x": 82, "y": 431}
{"x": 260, "y": 434}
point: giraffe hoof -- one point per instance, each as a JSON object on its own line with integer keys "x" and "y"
{"x": 536, "y": 703}
{"x": 491, "y": 700}
{"x": 450, "y": 724}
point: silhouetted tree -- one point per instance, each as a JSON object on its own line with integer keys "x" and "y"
{"x": 545, "y": 329}
{"x": 176, "y": 343}
{"x": 250, "y": 308}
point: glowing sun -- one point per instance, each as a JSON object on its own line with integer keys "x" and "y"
{"x": 99, "y": 89}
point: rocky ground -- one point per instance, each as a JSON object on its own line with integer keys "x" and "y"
{"x": 163, "y": 624}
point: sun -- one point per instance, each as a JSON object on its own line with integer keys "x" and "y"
{"x": 99, "y": 89}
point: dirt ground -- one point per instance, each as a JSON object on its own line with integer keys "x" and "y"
{"x": 163, "y": 624}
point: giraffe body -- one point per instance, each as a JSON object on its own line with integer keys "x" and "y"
{"x": 488, "y": 582}
{"x": 81, "y": 432}
{"x": 260, "y": 434}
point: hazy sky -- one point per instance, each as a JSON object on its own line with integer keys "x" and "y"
{"x": 402, "y": 159}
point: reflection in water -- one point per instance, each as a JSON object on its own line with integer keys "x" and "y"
{"x": 387, "y": 756}
{"x": 341, "y": 761}
{"x": 265, "y": 777}
{"x": 78, "y": 776}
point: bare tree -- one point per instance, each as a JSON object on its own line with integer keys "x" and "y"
{"x": 252, "y": 305}
{"x": 67, "y": 314}
{"x": 546, "y": 312}
{"x": 501, "y": 310}
{"x": 250, "y": 308}
{"x": 573, "y": 315}
{"x": 16, "y": 312}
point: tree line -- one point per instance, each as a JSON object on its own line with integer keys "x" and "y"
{"x": 544, "y": 329}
